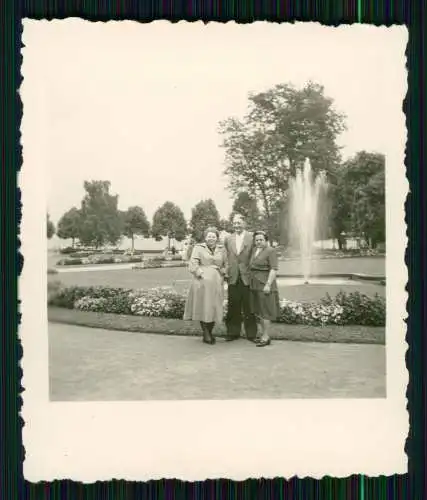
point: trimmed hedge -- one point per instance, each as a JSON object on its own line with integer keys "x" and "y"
{"x": 344, "y": 309}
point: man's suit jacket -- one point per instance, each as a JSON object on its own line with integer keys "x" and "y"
{"x": 238, "y": 262}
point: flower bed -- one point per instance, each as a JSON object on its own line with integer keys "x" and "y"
{"x": 86, "y": 258}
{"x": 164, "y": 302}
{"x": 85, "y": 252}
{"x": 344, "y": 309}
{"x": 99, "y": 259}
{"x": 159, "y": 261}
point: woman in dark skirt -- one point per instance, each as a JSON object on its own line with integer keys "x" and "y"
{"x": 264, "y": 293}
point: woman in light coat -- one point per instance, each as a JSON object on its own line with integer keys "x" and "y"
{"x": 205, "y": 301}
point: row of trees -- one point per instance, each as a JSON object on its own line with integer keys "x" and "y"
{"x": 356, "y": 196}
{"x": 99, "y": 221}
{"x": 283, "y": 127}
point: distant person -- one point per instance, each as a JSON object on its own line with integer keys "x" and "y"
{"x": 265, "y": 304}
{"x": 205, "y": 300}
{"x": 239, "y": 246}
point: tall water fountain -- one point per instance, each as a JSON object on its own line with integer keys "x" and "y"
{"x": 305, "y": 191}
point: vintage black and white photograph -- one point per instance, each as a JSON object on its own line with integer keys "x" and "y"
{"x": 220, "y": 211}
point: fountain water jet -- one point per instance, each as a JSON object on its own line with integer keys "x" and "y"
{"x": 304, "y": 210}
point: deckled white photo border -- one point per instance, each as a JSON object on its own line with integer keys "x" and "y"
{"x": 152, "y": 440}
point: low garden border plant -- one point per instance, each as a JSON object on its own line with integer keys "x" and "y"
{"x": 164, "y": 302}
{"x": 98, "y": 259}
{"x": 86, "y": 258}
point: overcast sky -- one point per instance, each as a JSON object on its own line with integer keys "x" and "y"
{"x": 139, "y": 105}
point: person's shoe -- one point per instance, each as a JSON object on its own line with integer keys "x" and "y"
{"x": 207, "y": 337}
{"x": 210, "y": 329}
{"x": 263, "y": 343}
{"x": 230, "y": 338}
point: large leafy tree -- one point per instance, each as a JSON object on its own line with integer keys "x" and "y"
{"x": 365, "y": 183}
{"x": 203, "y": 215}
{"x": 276, "y": 223}
{"x": 375, "y": 220}
{"x": 69, "y": 225}
{"x": 135, "y": 223}
{"x": 246, "y": 205}
{"x": 50, "y": 227}
{"x": 226, "y": 224}
{"x": 283, "y": 127}
{"x": 100, "y": 218}
{"x": 340, "y": 206}
{"x": 169, "y": 221}
{"x": 358, "y": 198}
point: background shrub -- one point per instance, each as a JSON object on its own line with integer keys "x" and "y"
{"x": 135, "y": 259}
{"x": 81, "y": 255}
{"x": 106, "y": 260}
{"x": 53, "y": 288}
{"x": 67, "y": 250}
{"x": 69, "y": 262}
{"x": 157, "y": 258}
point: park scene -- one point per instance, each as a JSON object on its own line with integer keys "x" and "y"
{"x": 118, "y": 279}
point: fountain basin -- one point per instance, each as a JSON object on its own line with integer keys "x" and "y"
{"x": 329, "y": 279}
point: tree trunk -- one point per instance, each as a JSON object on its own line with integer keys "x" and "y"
{"x": 73, "y": 242}
{"x": 265, "y": 202}
{"x": 132, "y": 249}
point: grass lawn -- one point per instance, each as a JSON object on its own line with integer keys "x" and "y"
{"x": 362, "y": 265}
{"x": 332, "y": 333}
{"x": 180, "y": 278}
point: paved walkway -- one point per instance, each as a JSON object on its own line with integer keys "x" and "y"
{"x": 96, "y": 267}
{"x": 99, "y": 365}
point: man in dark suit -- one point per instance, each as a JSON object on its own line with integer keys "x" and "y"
{"x": 239, "y": 247}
